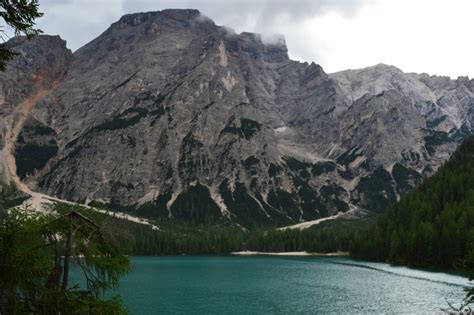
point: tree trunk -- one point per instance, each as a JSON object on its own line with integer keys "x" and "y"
{"x": 67, "y": 256}
{"x": 55, "y": 275}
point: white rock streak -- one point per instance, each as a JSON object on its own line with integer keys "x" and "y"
{"x": 307, "y": 224}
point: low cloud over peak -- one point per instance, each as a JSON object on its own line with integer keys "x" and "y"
{"x": 416, "y": 35}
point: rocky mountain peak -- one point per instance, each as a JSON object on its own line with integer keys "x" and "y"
{"x": 171, "y": 19}
{"x": 42, "y": 61}
{"x": 170, "y": 116}
{"x": 379, "y": 78}
{"x": 134, "y": 19}
{"x": 46, "y": 55}
{"x": 23, "y": 44}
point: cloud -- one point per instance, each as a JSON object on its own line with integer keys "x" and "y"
{"x": 78, "y": 21}
{"x": 253, "y": 15}
{"x": 418, "y": 36}
{"x": 270, "y": 18}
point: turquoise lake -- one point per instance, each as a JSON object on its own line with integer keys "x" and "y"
{"x": 283, "y": 285}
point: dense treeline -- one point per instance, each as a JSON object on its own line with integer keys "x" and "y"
{"x": 185, "y": 240}
{"x": 331, "y": 236}
{"x": 431, "y": 227}
{"x": 173, "y": 238}
{"x": 176, "y": 239}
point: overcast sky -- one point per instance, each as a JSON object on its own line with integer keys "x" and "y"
{"x": 433, "y": 36}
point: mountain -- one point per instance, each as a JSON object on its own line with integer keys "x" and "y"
{"x": 168, "y": 115}
{"x": 41, "y": 64}
{"x": 432, "y": 226}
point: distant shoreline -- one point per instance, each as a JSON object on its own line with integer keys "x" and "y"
{"x": 252, "y": 253}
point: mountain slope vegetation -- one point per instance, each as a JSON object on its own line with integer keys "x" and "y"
{"x": 433, "y": 226}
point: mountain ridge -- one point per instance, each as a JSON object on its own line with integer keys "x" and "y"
{"x": 168, "y": 115}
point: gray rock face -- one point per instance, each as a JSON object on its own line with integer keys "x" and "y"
{"x": 41, "y": 64}
{"x": 168, "y": 115}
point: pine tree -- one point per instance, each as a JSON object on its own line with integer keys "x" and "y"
{"x": 34, "y": 254}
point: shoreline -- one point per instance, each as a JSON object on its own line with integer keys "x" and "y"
{"x": 254, "y": 253}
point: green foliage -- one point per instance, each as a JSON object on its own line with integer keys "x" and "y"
{"x": 178, "y": 238}
{"x": 192, "y": 157}
{"x": 298, "y": 167}
{"x": 155, "y": 209}
{"x": 35, "y": 251}
{"x": 23, "y": 260}
{"x": 9, "y": 197}
{"x": 331, "y": 194}
{"x": 274, "y": 170}
{"x": 128, "y": 118}
{"x": 309, "y": 201}
{"x": 247, "y": 129}
{"x": 433, "y": 226}
{"x": 191, "y": 238}
{"x": 5, "y": 56}
{"x": 434, "y": 139}
{"x": 20, "y": 15}
{"x": 31, "y": 157}
{"x": 376, "y": 190}
{"x": 36, "y": 145}
{"x": 283, "y": 201}
{"x": 323, "y": 167}
{"x": 405, "y": 178}
{"x": 37, "y": 128}
{"x": 302, "y": 169}
{"x": 247, "y": 211}
{"x": 251, "y": 165}
{"x": 461, "y": 133}
{"x": 196, "y": 205}
{"x": 326, "y": 237}
{"x": 434, "y": 123}
{"x": 314, "y": 205}
{"x": 173, "y": 238}
{"x": 349, "y": 156}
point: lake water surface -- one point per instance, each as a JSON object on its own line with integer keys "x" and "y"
{"x": 283, "y": 285}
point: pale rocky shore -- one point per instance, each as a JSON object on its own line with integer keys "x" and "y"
{"x": 252, "y": 253}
